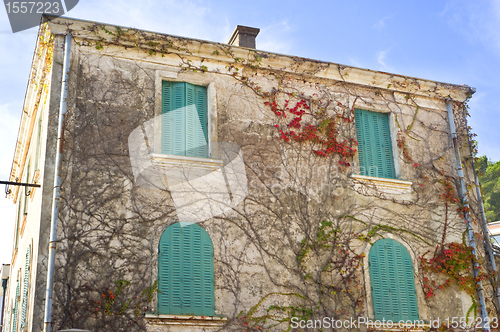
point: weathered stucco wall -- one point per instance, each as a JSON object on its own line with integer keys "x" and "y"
{"x": 298, "y": 243}
{"x": 34, "y": 163}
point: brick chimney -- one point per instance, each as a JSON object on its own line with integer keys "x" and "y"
{"x": 244, "y": 36}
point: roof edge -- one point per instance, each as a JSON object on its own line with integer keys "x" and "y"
{"x": 269, "y": 60}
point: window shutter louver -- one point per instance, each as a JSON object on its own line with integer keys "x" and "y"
{"x": 202, "y": 123}
{"x": 173, "y": 119}
{"x": 191, "y": 121}
{"x": 187, "y": 266}
{"x": 371, "y": 144}
{"x": 361, "y": 141}
{"x": 179, "y": 119}
{"x": 196, "y": 271}
{"x": 185, "y": 271}
{"x": 24, "y": 299}
{"x": 387, "y": 155}
{"x": 176, "y": 273}
{"x": 374, "y": 144}
{"x": 166, "y": 118}
{"x": 393, "y": 285}
{"x": 184, "y": 119}
{"x": 387, "y": 279}
{"x": 164, "y": 282}
{"x": 207, "y": 278}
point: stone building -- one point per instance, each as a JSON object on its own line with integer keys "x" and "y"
{"x": 207, "y": 186}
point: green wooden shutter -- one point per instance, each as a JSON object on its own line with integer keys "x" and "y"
{"x": 173, "y": 118}
{"x": 166, "y": 117}
{"x": 197, "y": 121}
{"x": 393, "y": 286}
{"x": 173, "y": 140}
{"x": 24, "y": 298}
{"x": 374, "y": 144}
{"x": 360, "y": 132}
{"x": 207, "y": 275}
{"x": 185, "y": 272}
{"x": 169, "y": 272}
{"x": 191, "y": 121}
{"x": 184, "y": 119}
{"x": 16, "y": 305}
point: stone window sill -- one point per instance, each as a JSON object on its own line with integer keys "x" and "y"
{"x": 389, "y": 186}
{"x": 186, "y": 320}
{"x": 165, "y": 160}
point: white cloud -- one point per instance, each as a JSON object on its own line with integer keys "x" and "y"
{"x": 275, "y": 38}
{"x": 381, "y": 23}
{"x": 477, "y": 21}
{"x": 186, "y": 18}
{"x": 8, "y": 211}
{"x": 8, "y": 134}
{"x": 382, "y": 60}
{"x": 9, "y": 125}
{"x": 354, "y": 62}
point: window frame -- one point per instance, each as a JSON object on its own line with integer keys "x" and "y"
{"x": 391, "y": 270}
{"x": 168, "y": 231}
{"x": 172, "y": 74}
{"x": 423, "y": 310}
{"x": 393, "y": 132}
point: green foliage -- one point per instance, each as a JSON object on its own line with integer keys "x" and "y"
{"x": 452, "y": 260}
{"x": 482, "y": 164}
{"x": 490, "y": 182}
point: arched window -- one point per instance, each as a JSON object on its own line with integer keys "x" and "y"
{"x": 393, "y": 285}
{"x": 186, "y": 271}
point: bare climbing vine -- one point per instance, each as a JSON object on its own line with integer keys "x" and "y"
{"x": 297, "y": 245}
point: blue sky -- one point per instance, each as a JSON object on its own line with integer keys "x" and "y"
{"x": 455, "y": 41}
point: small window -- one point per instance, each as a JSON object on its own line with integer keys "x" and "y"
{"x": 184, "y": 124}
{"x": 374, "y": 144}
{"x": 186, "y": 271}
{"x": 392, "y": 282}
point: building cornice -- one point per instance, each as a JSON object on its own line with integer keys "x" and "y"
{"x": 211, "y": 51}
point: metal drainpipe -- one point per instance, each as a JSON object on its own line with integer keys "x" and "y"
{"x": 57, "y": 186}
{"x": 470, "y": 231}
{"x": 484, "y": 222}
{"x": 4, "y": 287}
